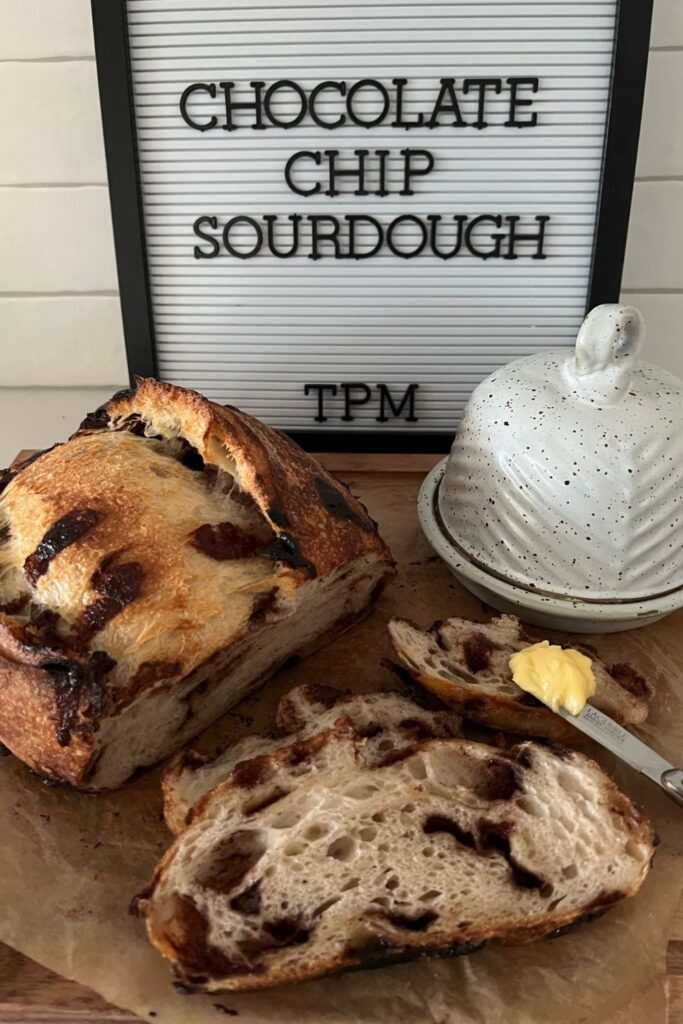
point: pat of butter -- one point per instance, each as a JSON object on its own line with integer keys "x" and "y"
{"x": 559, "y": 677}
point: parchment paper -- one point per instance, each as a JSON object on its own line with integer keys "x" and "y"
{"x": 70, "y": 862}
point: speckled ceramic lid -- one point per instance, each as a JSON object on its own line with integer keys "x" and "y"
{"x": 566, "y": 474}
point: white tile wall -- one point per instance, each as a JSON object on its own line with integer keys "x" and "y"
{"x": 59, "y": 318}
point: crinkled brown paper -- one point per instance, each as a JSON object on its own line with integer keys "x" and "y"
{"x": 70, "y": 862}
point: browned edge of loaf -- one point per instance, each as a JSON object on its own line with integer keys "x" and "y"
{"x": 197, "y": 966}
{"x": 319, "y": 526}
{"x": 498, "y": 711}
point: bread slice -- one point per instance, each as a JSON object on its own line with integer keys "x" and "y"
{"x": 388, "y": 720}
{"x": 312, "y": 860}
{"x": 466, "y": 664}
{"x": 164, "y": 561}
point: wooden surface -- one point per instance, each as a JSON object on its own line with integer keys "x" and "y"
{"x": 29, "y": 992}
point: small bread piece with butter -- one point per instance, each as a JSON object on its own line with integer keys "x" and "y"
{"x": 467, "y": 665}
{"x": 155, "y": 568}
{"x": 315, "y": 859}
{"x": 387, "y": 719}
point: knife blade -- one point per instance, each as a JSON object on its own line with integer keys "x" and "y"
{"x": 604, "y": 730}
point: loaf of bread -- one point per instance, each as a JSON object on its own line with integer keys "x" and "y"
{"x": 156, "y": 567}
{"x": 466, "y": 664}
{"x": 387, "y": 719}
{"x": 314, "y": 858}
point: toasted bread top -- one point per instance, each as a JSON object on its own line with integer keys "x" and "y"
{"x": 158, "y": 534}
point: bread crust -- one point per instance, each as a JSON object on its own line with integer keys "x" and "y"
{"x": 295, "y": 494}
{"x": 98, "y": 611}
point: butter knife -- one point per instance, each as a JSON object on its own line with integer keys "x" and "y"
{"x": 634, "y": 752}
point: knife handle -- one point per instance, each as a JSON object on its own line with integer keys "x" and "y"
{"x": 672, "y": 784}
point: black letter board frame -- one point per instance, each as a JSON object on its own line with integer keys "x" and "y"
{"x": 627, "y": 86}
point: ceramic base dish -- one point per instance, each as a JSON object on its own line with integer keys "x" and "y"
{"x": 550, "y": 611}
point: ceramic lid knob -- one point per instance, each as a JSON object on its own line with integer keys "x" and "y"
{"x": 566, "y": 475}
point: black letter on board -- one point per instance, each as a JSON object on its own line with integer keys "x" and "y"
{"x": 363, "y": 218}
{"x": 318, "y": 236}
{"x": 197, "y": 87}
{"x": 481, "y": 84}
{"x": 348, "y": 401}
{"x": 230, "y": 247}
{"x": 434, "y": 220}
{"x": 339, "y": 87}
{"x": 538, "y": 237}
{"x": 413, "y": 172}
{"x": 231, "y": 105}
{"x": 385, "y": 398}
{"x": 400, "y": 121}
{"x": 515, "y": 102}
{"x": 335, "y": 172}
{"x": 407, "y": 218}
{"x": 320, "y": 388}
{"x": 363, "y": 84}
{"x": 270, "y": 219}
{"x": 201, "y": 254}
{"x": 484, "y": 254}
{"x": 313, "y": 155}
{"x": 285, "y": 83}
{"x": 446, "y": 101}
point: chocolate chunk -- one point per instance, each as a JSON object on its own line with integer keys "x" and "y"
{"x": 284, "y": 549}
{"x": 396, "y": 756}
{"x": 418, "y": 728}
{"x": 229, "y": 861}
{"x": 248, "y": 901}
{"x": 150, "y": 672}
{"x": 338, "y": 504}
{"x": 188, "y": 936}
{"x": 326, "y": 696}
{"x": 223, "y": 541}
{"x": 439, "y": 823}
{"x": 477, "y": 649}
{"x": 286, "y": 931}
{"x": 247, "y": 774}
{"x": 418, "y": 923}
{"x": 119, "y": 585}
{"x": 277, "y": 515}
{"x": 264, "y": 605}
{"x": 97, "y": 420}
{"x": 16, "y": 605}
{"x": 66, "y": 531}
{"x": 266, "y": 801}
{"x": 501, "y": 781}
{"x": 630, "y": 680}
{"x": 496, "y": 836}
{"x": 191, "y": 458}
{"x": 529, "y": 701}
{"x": 77, "y": 687}
{"x": 369, "y": 731}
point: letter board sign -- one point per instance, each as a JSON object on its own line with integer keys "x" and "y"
{"x": 341, "y": 216}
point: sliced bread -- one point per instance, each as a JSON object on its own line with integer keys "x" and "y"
{"x": 387, "y": 719}
{"x": 466, "y": 664}
{"x": 288, "y": 873}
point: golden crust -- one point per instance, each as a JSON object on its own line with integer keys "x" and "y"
{"x": 294, "y": 493}
{"x": 123, "y": 570}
